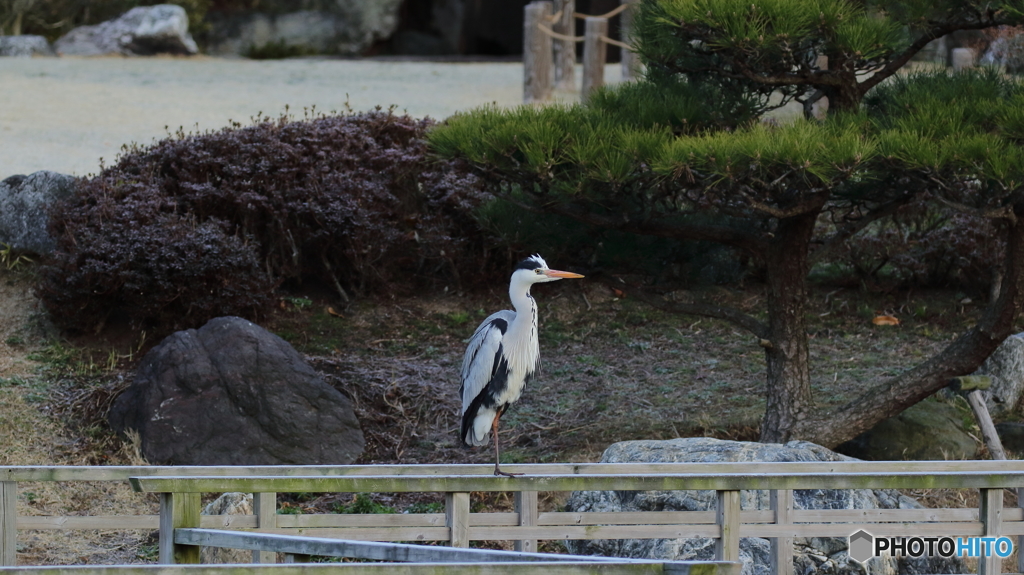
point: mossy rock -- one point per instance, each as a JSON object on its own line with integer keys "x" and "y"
{"x": 930, "y": 430}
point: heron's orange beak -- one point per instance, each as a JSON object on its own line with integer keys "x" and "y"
{"x": 561, "y": 275}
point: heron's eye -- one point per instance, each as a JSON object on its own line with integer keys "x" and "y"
{"x": 538, "y": 271}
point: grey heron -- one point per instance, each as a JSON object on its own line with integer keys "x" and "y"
{"x": 502, "y": 356}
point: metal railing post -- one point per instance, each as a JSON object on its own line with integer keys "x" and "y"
{"x": 782, "y": 547}
{"x": 727, "y": 515}
{"x": 456, "y": 515}
{"x": 264, "y": 507}
{"x": 991, "y": 513}
{"x": 526, "y": 506}
{"x": 8, "y": 523}
{"x": 178, "y": 510}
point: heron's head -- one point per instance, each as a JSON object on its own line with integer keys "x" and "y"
{"x": 534, "y": 270}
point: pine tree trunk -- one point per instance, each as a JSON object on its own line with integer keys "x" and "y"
{"x": 789, "y": 398}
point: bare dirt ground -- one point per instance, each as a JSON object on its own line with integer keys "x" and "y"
{"x": 32, "y": 436}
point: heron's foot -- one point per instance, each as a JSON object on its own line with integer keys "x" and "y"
{"x": 499, "y": 473}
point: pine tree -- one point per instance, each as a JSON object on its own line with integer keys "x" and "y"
{"x": 684, "y": 154}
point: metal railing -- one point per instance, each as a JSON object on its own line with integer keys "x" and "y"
{"x": 180, "y": 488}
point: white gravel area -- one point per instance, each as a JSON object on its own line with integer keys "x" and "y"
{"x": 64, "y": 114}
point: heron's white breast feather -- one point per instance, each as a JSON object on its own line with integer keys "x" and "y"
{"x": 478, "y": 364}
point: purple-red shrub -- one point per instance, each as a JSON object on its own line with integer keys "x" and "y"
{"x": 198, "y": 226}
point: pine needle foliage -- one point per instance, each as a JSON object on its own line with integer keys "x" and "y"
{"x": 799, "y": 49}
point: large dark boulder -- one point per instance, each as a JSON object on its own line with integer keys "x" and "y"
{"x": 812, "y": 555}
{"x": 232, "y": 393}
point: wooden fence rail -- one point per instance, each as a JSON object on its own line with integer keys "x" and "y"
{"x": 180, "y": 488}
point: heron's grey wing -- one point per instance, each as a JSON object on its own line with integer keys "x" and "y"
{"x": 479, "y": 363}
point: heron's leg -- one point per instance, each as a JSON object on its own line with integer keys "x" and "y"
{"x": 497, "y": 456}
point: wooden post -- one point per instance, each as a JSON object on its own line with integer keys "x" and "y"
{"x": 8, "y": 523}
{"x": 782, "y": 547}
{"x": 988, "y": 429}
{"x": 991, "y": 513}
{"x": 971, "y": 387}
{"x": 456, "y": 517}
{"x": 565, "y": 50}
{"x": 595, "y": 52}
{"x": 630, "y": 61}
{"x": 727, "y": 515}
{"x": 178, "y": 510}
{"x": 536, "y": 53}
{"x": 526, "y": 506}
{"x": 264, "y": 506}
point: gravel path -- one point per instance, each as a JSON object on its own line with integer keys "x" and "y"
{"x": 64, "y": 114}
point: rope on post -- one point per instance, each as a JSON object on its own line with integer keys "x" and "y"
{"x": 622, "y": 45}
{"x": 554, "y": 34}
{"x": 606, "y": 16}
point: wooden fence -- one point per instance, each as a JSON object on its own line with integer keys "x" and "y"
{"x": 549, "y": 52}
{"x": 180, "y": 488}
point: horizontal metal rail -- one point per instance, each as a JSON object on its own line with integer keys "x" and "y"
{"x": 601, "y": 482}
{"x": 375, "y": 551}
{"x": 115, "y": 473}
{"x": 489, "y": 568}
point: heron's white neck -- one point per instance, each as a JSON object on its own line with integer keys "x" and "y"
{"x": 521, "y": 338}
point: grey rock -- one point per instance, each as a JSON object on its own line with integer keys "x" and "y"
{"x": 1006, "y": 50}
{"x": 232, "y": 393}
{"x": 141, "y": 31}
{"x": 25, "y": 46}
{"x": 343, "y": 28}
{"x": 813, "y": 555}
{"x": 1006, "y": 368}
{"x": 233, "y": 503}
{"x": 929, "y": 430}
{"x": 24, "y": 205}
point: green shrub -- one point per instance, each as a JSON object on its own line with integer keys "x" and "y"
{"x": 198, "y": 226}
